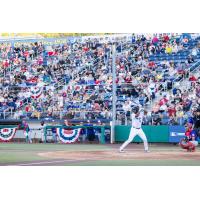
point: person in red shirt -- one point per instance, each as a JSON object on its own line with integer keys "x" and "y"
{"x": 151, "y": 65}
{"x": 51, "y": 53}
{"x": 85, "y": 49}
{"x": 163, "y": 101}
{"x": 188, "y": 131}
{"x": 128, "y": 79}
{"x": 192, "y": 78}
{"x": 28, "y": 108}
{"x": 97, "y": 82}
{"x": 172, "y": 111}
{"x": 26, "y": 54}
{"x": 6, "y": 63}
{"x": 165, "y": 38}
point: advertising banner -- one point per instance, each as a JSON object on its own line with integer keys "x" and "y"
{"x": 176, "y": 133}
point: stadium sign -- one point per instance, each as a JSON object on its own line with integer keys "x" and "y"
{"x": 68, "y": 136}
{"x": 176, "y": 133}
{"x": 46, "y": 42}
{"x": 6, "y": 134}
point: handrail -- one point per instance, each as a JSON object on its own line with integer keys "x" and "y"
{"x": 195, "y": 67}
{"x": 9, "y": 88}
{"x": 189, "y": 70}
{"x": 150, "y": 117}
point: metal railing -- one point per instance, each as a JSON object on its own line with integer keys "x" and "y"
{"x": 193, "y": 67}
{"x": 55, "y": 114}
{"x": 122, "y": 117}
{"x": 125, "y": 119}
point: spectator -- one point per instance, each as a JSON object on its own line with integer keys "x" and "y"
{"x": 59, "y": 80}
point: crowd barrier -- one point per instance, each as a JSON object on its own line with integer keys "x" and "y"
{"x": 62, "y": 135}
{"x": 155, "y": 134}
{"x": 158, "y": 134}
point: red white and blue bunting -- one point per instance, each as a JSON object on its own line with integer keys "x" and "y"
{"x": 36, "y": 92}
{"x": 68, "y": 136}
{"x": 6, "y": 134}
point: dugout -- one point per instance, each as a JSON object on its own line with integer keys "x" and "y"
{"x": 104, "y": 131}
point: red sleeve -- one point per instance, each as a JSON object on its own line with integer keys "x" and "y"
{"x": 187, "y": 133}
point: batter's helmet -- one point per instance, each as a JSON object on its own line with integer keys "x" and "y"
{"x": 135, "y": 110}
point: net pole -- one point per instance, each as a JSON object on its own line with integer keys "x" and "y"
{"x": 113, "y": 122}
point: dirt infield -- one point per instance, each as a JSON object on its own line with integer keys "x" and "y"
{"x": 16, "y": 154}
{"x": 114, "y": 155}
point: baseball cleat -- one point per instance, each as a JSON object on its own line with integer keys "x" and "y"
{"x": 121, "y": 151}
{"x": 146, "y": 151}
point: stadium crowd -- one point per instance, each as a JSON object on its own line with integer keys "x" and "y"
{"x": 74, "y": 80}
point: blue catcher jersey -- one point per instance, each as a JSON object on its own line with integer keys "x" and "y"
{"x": 194, "y": 134}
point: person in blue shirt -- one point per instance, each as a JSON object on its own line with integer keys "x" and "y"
{"x": 89, "y": 131}
{"x": 193, "y": 139}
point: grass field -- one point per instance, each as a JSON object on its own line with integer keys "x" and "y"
{"x": 18, "y": 154}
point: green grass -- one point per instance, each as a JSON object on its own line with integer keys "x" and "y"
{"x": 136, "y": 163}
{"x": 13, "y": 152}
{"x": 12, "y": 157}
{"x": 51, "y": 147}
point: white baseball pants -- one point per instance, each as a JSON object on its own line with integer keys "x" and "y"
{"x": 132, "y": 134}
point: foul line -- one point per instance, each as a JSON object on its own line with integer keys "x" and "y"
{"x": 41, "y": 163}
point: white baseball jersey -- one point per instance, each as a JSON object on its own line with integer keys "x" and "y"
{"x": 137, "y": 121}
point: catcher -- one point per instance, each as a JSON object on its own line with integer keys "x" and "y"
{"x": 191, "y": 138}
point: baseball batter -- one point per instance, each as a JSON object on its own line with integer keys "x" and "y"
{"x": 136, "y": 129}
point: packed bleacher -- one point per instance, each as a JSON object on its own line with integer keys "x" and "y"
{"x": 74, "y": 80}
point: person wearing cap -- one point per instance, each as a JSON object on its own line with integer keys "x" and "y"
{"x": 42, "y": 130}
{"x": 89, "y": 131}
{"x": 26, "y": 131}
{"x": 98, "y": 130}
{"x": 136, "y": 129}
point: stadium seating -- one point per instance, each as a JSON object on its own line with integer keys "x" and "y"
{"x": 74, "y": 80}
